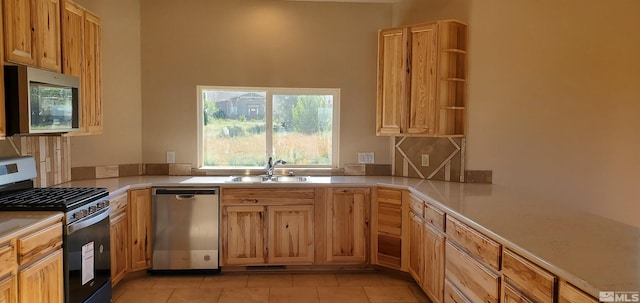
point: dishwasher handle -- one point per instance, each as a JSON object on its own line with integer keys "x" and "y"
{"x": 185, "y": 197}
{"x": 185, "y": 192}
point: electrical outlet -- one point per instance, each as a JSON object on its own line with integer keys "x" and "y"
{"x": 366, "y": 158}
{"x": 425, "y": 160}
{"x": 171, "y": 157}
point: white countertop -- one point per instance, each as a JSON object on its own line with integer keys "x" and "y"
{"x": 15, "y": 223}
{"x": 592, "y": 252}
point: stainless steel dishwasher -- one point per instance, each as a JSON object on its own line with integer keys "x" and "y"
{"x": 185, "y": 228}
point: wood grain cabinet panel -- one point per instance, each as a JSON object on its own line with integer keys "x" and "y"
{"x": 391, "y": 214}
{"x": 19, "y": 41}
{"x": 475, "y": 281}
{"x": 392, "y": 81}
{"x": 9, "y": 288}
{"x": 423, "y": 66}
{"x": 452, "y": 294}
{"x": 35, "y": 245}
{"x": 48, "y": 35}
{"x": 533, "y": 281}
{"x": 291, "y": 234}
{"x": 511, "y": 295}
{"x": 434, "y": 216}
{"x": 267, "y": 196}
{"x": 474, "y": 242}
{"x": 416, "y": 247}
{"x": 91, "y": 81}
{"x": 7, "y": 256}
{"x": 139, "y": 229}
{"x": 244, "y": 234}
{"x": 434, "y": 263}
{"x": 119, "y": 236}
{"x": 347, "y": 225}
{"x": 42, "y": 281}
{"x": 568, "y": 293}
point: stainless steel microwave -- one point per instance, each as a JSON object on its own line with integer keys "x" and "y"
{"x": 39, "y": 101}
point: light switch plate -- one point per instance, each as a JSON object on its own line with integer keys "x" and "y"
{"x": 366, "y": 158}
{"x": 171, "y": 157}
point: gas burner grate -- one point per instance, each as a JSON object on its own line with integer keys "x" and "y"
{"x": 50, "y": 198}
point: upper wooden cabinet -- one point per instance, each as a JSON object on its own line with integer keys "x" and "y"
{"x": 422, "y": 80}
{"x": 82, "y": 58}
{"x": 32, "y": 33}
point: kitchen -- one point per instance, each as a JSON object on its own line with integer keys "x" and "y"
{"x": 531, "y": 65}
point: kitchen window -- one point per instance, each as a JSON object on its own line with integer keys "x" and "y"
{"x": 241, "y": 127}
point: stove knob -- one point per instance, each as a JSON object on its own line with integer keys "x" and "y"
{"x": 92, "y": 209}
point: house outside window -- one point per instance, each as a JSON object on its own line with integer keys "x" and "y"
{"x": 241, "y": 127}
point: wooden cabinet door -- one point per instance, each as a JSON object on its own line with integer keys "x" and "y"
{"x": 392, "y": 81}
{"x": 47, "y": 34}
{"x": 72, "y": 39}
{"x": 119, "y": 242}
{"x": 423, "y": 67}
{"x": 347, "y": 225}
{"x": 244, "y": 234}
{"x": 19, "y": 41}
{"x": 140, "y": 228}
{"x": 416, "y": 248}
{"x": 291, "y": 234}
{"x": 92, "y": 81}
{"x": 42, "y": 282}
{"x": 434, "y": 254}
{"x": 513, "y": 296}
{"x": 8, "y": 289}
{"x": 389, "y": 214}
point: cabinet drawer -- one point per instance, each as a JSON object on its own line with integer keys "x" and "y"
{"x": 118, "y": 204}
{"x": 434, "y": 216}
{"x": 267, "y": 196}
{"x": 475, "y": 243}
{"x": 570, "y": 294}
{"x": 453, "y": 294}
{"x": 7, "y": 256}
{"x": 474, "y": 280}
{"x": 513, "y": 296}
{"x": 533, "y": 281}
{"x": 390, "y": 197}
{"x": 417, "y": 206}
{"x": 39, "y": 243}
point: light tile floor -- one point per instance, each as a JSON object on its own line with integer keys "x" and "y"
{"x": 270, "y": 288}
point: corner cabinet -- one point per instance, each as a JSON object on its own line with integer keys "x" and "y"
{"x": 32, "y": 33}
{"x": 119, "y": 237}
{"x": 82, "y": 58}
{"x": 422, "y": 80}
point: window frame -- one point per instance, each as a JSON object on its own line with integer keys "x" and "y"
{"x": 270, "y": 91}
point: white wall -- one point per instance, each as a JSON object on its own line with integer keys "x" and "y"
{"x": 554, "y": 97}
{"x": 121, "y": 141}
{"x": 257, "y": 43}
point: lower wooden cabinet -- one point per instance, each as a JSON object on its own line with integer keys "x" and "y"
{"x": 570, "y": 294}
{"x": 511, "y": 295}
{"x": 473, "y": 279}
{"x": 388, "y": 212}
{"x": 119, "y": 231}
{"x": 416, "y": 248}
{"x": 42, "y": 281}
{"x": 291, "y": 234}
{"x": 452, "y": 294}
{"x": 8, "y": 288}
{"x": 434, "y": 262}
{"x": 347, "y": 225}
{"x": 140, "y": 229}
{"x": 244, "y": 234}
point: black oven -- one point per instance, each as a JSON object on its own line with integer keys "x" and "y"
{"x": 87, "y": 245}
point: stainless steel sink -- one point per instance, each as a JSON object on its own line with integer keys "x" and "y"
{"x": 290, "y": 179}
{"x": 267, "y": 179}
{"x": 248, "y": 179}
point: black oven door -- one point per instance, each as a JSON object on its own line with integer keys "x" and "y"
{"x": 88, "y": 260}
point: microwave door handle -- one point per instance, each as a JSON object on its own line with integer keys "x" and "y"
{"x": 73, "y": 227}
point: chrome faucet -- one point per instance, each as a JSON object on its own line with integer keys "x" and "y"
{"x": 271, "y": 165}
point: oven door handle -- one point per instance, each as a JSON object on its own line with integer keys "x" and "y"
{"x": 88, "y": 222}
